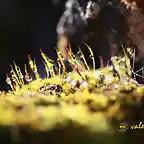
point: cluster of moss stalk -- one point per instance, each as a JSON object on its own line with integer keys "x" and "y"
{"x": 86, "y": 106}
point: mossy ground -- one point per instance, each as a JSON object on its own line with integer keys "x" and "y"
{"x": 74, "y": 108}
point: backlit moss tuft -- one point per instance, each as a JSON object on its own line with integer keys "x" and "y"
{"x": 84, "y": 106}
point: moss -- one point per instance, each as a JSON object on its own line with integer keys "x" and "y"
{"x": 86, "y": 106}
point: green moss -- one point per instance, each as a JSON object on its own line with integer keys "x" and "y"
{"x": 77, "y": 107}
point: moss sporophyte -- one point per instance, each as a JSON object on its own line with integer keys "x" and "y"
{"x": 120, "y": 69}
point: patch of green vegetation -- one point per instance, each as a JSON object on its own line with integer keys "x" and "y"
{"x": 86, "y": 106}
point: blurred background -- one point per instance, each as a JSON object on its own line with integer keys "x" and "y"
{"x": 25, "y": 27}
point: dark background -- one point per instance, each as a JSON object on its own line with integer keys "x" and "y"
{"x": 25, "y": 27}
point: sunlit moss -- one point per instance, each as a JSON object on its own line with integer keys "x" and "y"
{"x": 94, "y": 100}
